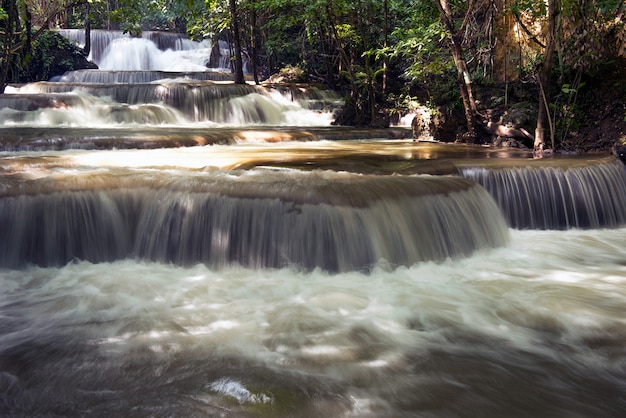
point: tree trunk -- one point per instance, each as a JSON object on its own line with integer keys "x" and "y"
{"x": 87, "y": 47}
{"x": 253, "y": 46}
{"x": 238, "y": 70}
{"x": 543, "y": 114}
{"x": 463, "y": 76}
{"x": 324, "y": 40}
{"x": 506, "y": 61}
{"x": 216, "y": 53}
{"x": 7, "y": 43}
{"x": 385, "y": 44}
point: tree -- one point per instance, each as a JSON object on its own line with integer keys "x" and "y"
{"x": 464, "y": 78}
{"x": 234, "y": 26}
{"x": 545, "y": 72}
{"x": 17, "y": 33}
{"x": 10, "y": 27}
{"x": 579, "y": 35}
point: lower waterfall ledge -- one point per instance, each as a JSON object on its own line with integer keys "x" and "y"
{"x": 333, "y": 221}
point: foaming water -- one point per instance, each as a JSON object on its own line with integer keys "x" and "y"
{"x": 143, "y": 54}
{"x": 534, "y": 329}
{"x": 114, "y": 50}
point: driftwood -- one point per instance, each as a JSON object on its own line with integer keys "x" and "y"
{"x": 497, "y": 129}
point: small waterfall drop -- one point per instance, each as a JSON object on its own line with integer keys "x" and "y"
{"x": 554, "y": 197}
{"x": 160, "y": 79}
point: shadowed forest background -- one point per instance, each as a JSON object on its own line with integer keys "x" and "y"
{"x": 542, "y": 74}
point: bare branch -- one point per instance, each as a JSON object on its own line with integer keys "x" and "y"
{"x": 470, "y": 9}
{"x": 526, "y": 30}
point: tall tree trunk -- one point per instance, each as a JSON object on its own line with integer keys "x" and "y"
{"x": 7, "y": 42}
{"x": 385, "y": 44}
{"x": 87, "y": 47}
{"x": 324, "y": 40}
{"x": 253, "y": 45}
{"x": 216, "y": 53}
{"x": 506, "y": 61}
{"x": 345, "y": 62}
{"x": 238, "y": 70}
{"x": 370, "y": 92}
{"x": 463, "y": 77}
{"x": 543, "y": 115}
{"x": 27, "y": 35}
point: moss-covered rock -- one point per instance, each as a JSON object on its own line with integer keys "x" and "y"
{"x": 52, "y": 55}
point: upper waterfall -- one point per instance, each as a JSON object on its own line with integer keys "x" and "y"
{"x": 164, "y": 51}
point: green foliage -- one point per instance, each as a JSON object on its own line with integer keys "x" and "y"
{"x": 207, "y": 19}
{"x": 51, "y": 55}
{"x": 533, "y": 8}
{"x": 402, "y": 103}
{"x": 134, "y": 16}
{"x": 423, "y": 47}
{"x": 98, "y": 15}
{"x": 293, "y": 74}
{"x": 566, "y": 110}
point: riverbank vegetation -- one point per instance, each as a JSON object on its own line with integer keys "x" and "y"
{"x": 546, "y": 74}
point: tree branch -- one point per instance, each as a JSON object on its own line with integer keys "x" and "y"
{"x": 43, "y": 27}
{"x": 526, "y": 30}
{"x": 470, "y": 8}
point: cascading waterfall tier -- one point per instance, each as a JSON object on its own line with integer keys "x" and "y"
{"x": 174, "y": 102}
{"x": 139, "y": 77}
{"x": 591, "y": 195}
{"x": 259, "y": 219}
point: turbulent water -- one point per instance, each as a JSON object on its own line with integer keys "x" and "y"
{"x": 175, "y": 246}
{"x": 535, "y": 328}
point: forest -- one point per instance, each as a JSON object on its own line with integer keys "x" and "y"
{"x": 544, "y": 74}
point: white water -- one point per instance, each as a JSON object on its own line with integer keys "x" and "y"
{"x": 113, "y": 50}
{"x": 136, "y": 54}
{"x": 80, "y": 108}
{"x": 533, "y": 329}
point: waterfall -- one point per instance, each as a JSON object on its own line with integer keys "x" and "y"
{"x": 555, "y": 197}
{"x": 160, "y": 79}
{"x": 173, "y": 245}
{"x": 116, "y": 50}
{"x": 184, "y": 100}
{"x": 137, "y": 54}
{"x": 255, "y": 219}
{"x": 139, "y": 77}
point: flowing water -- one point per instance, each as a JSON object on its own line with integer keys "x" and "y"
{"x": 179, "y": 246}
